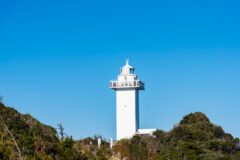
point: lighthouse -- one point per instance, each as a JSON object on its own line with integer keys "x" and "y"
{"x": 127, "y": 88}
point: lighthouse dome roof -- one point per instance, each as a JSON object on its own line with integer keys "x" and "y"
{"x": 127, "y": 65}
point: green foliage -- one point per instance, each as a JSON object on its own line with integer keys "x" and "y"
{"x": 194, "y": 138}
{"x": 40, "y": 142}
{"x": 138, "y": 148}
{"x": 196, "y": 117}
{"x": 191, "y": 150}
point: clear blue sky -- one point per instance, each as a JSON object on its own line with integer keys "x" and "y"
{"x": 57, "y": 58}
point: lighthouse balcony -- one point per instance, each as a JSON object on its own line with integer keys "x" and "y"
{"x": 127, "y": 84}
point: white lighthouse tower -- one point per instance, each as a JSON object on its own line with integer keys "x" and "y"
{"x": 127, "y": 100}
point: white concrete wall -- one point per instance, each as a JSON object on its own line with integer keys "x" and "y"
{"x": 127, "y": 112}
{"x": 146, "y": 131}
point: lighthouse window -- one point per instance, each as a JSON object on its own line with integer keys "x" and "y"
{"x": 131, "y": 71}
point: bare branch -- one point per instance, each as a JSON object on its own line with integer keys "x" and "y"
{"x": 61, "y": 131}
{"x": 15, "y": 142}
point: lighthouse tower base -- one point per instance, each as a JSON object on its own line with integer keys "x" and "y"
{"x": 127, "y": 112}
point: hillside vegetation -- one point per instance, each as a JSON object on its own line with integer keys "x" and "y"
{"x": 23, "y": 137}
{"x": 194, "y": 138}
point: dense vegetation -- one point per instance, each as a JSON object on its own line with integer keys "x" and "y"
{"x": 23, "y": 137}
{"x": 194, "y": 138}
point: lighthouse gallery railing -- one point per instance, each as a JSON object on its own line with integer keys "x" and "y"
{"x": 127, "y": 84}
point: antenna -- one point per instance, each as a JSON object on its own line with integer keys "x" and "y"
{"x": 127, "y": 60}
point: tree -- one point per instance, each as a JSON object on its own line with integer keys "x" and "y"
{"x": 61, "y": 131}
